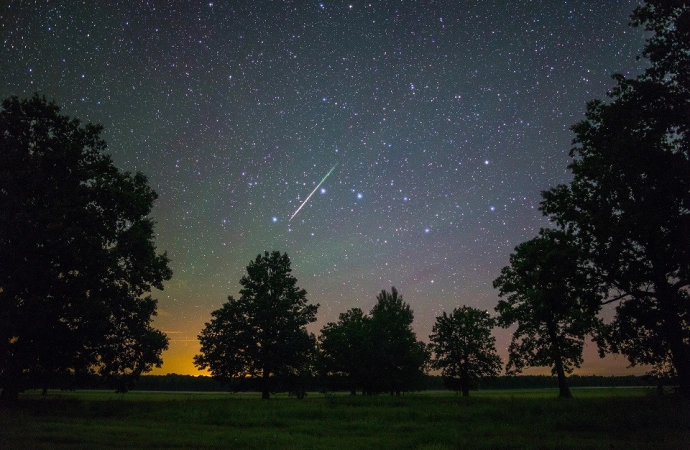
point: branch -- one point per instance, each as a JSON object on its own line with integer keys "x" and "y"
{"x": 634, "y": 294}
{"x": 615, "y": 299}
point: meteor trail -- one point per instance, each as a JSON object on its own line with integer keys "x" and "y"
{"x": 312, "y": 192}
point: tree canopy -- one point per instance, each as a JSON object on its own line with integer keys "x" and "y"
{"x": 629, "y": 201}
{"x": 346, "y": 349}
{"x": 398, "y": 359}
{"x": 553, "y": 299}
{"x": 262, "y": 334}
{"x": 77, "y": 254}
{"x": 378, "y": 352}
{"x": 463, "y": 348}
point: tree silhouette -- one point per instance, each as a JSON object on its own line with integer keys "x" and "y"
{"x": 463, "y": 348}
{"x": 553, "y": 299}
{"x": 346, "y": 349}
{"x": 398, "y": 360}
{"x": 77, "y": 254}
{"x": 629, "y": 201}
{"x": 262, "y": 334}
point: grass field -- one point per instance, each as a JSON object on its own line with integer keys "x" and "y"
{"x": 520, "y": 419}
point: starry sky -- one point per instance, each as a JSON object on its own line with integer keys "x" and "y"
{"x": 440, "y": 123}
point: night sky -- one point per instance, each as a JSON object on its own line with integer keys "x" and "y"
{"x": 442, "y": 121}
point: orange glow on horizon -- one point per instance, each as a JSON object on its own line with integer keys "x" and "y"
{"x": 179, "y": 359}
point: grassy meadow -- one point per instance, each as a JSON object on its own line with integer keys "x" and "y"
{"x": 607, "y": 418}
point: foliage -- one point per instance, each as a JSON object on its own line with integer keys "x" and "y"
{"x": 346, "y": 349}
{"x": 262, "y": 334}
{"x": 398, "y": 361}
{"x": 378, "y": 352}
{"x": 463, "y": 347}
{"x": 553, "y": 299}
{"x": 629, "y": 200}
{"x": 77, "y": 254}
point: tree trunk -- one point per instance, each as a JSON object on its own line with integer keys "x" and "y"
{"x": 680, "y": 356}
{"x": 464, "y": 380}
{"x": 682, "y": 365}
{"x": 563, "y": 389}
{"x": 265, "y": 392}
{"x": 673, "y": 334}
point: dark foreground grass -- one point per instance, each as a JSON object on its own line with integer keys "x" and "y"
{"x": 529, "y": 419}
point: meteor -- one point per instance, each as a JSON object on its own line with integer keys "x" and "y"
{"x": 312, "y": 192}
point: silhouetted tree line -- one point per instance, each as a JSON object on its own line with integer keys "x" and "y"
{"x": 78, "y": 263}
{"x": 334, "y": 383}
{"x": 174, "y": 382}
{"x": 260, "y": 341}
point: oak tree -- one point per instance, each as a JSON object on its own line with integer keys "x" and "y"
{"x": 346, "y": 348}
{"x": 463, "y": 347}
{"x": 629, "y": 200}
{"x": 553, "y": 299}
{"x": 77, "y": 254}
{"x": 262, "y": 334}
{"x": 398, "y": 359}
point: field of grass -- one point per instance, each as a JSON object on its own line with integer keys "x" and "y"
{"x": 520, "y": 419}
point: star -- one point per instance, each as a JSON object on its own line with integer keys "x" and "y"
{"x": 234, "y": 116}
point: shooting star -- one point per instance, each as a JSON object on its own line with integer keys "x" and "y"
{"x": 312, "y": 192}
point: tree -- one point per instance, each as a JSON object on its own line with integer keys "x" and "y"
{"x": 77, "y": 254}
{"x": 398, "y": 360}
{"x": 629, "y": 200}
{"x": 378, "y": 352}
{"x": 346, "y": 349}
{"x": 463, "y": 347}
{"x": 262, "y": 334}
{"x": 553, "y": 299}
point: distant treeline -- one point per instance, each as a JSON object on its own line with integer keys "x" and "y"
{"x": 545, "y": 381}
{"x": 174, "y": 382}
